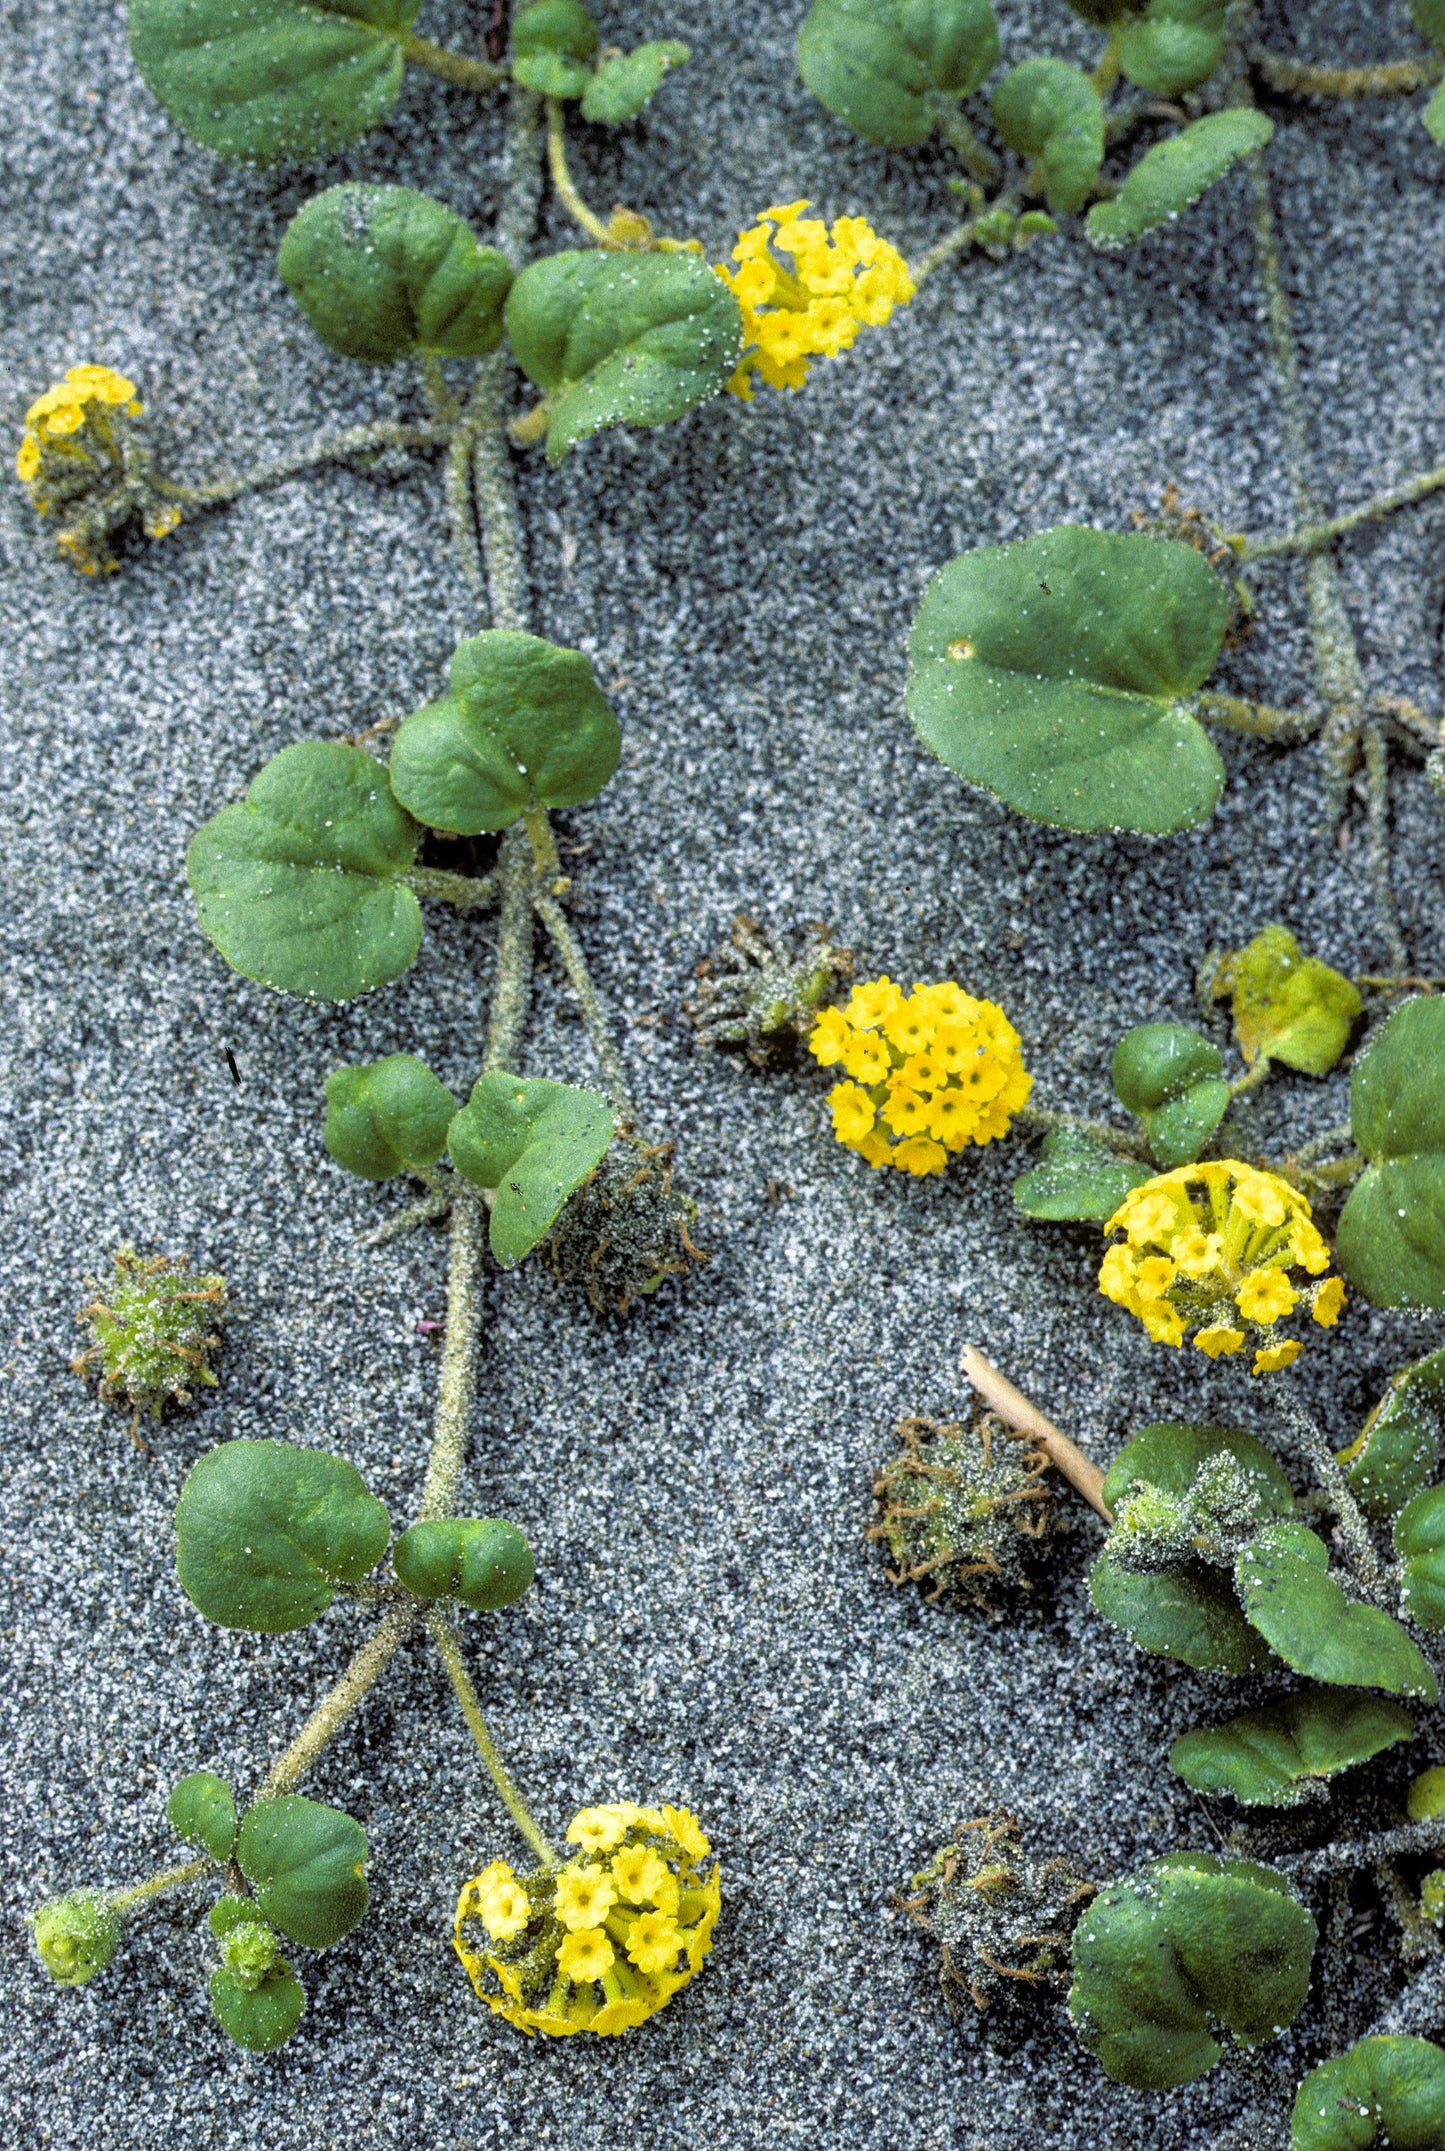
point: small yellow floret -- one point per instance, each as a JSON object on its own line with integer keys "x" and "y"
{"x": 598, "y": 1829}
{"x": 585, "y": 1896}
{"x": 1327, "y": 1302}
{"x": 829, "y": 1038}
{"x": 853, "y": 1113}
{"x": 870, "y": 1005}
{"x": 653, "y": 1942}
{"x": 1265, "y": 1295}
{"x": 1219, "y": 1340}
{"x": 585, "y": 1954}
{"x": 1274, "y": 1356}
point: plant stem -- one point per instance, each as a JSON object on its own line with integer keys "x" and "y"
{"x": 494, "y": 489}
{"x": 598, "y": 1029}
{"x": 980, "y": 163}
{"x": 426, "y": 1211}
{"x": 445, "y": 1638}
{"x": 1259, "y": 1073}
{"x": 466, "y": 892}
{"x": 459, "y": 1355}
{"x": 1393, "y": 78}
{"x": 326, "y": 448}
{"x": 1237, "y": 715}
{"x": 1339, "y": 1173}
{"x": 514, "y": 954}
{"x": 952, "y": 243}
{"x": 1319, "y": 1144}
{"x": 331, "y": 1713}
{"x": 1427, "y": 1836}
{"x": 1311, "y": 537}
{"x": 562, "y": 179}
{"x": 1377, "y": 797}
{"x": 544, "y": 845}
{"x": 1366, "y": 1562}
{"x": 1106, "y": 74}
{"x": 1132, "y": 1141}
{"x": 1082, "y": 1473}
{"x": 455, "y": 67}
{"x": 459, "y": 507}
{"x": 443, "y": 403}
{"x": 170, "y": 1878}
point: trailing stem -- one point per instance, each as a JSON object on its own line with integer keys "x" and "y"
{"x": 1132, "y": 1141}
{"x": 444, "y": 1636}
{"x": 562, "y": 178}
{"x": 1354, "y": 1530}
{"x": 1313, "y": 537}
{"x": 1393, "y": 78}
{"x": 326, "y": 448}
{"x": 594, "y": 1015}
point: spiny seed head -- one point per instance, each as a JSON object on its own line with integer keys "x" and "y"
{"x": 152, "y": 1330}
{"x": 1003, "y": 1918}
{"x": 626, "y": 1228}
{"x": 249, "y": 1951}
{"x": 757, "y": 992}
{"x": 76, "y": 1936}
{"x": 962, "y": 1509}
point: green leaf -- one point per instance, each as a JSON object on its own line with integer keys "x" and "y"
{"x": 265, "y": 79}
{"x": 1420, "y": 1540}
{"x": 201, "y": 1812}
{"x": 264, "y": 2019}
{"x": 1168, "y": 1077}
{"x": 623, "y": 85}
{"x": 552, "y": 43}
{"x": 384, "y": 272}
{"x": 1392, "y": 1232}
{"x": 1434, "y": 117}
{"x": 1054, "y": 672}
{"x": 1191, "y": 1947}
{"x": 301, "y": 887}
{"x": 1304, "y": 1615}
{"x": 1401, "y": 1442}
{"x": 228, "y": 1912}
{"x": 534, "y": 1141}
{"x": 881, "y": 64}
{"x": 1051, "y": 112}
{"x": 1286, "y": 1006}
{"x": 1176, "y": 47}
{"x": 1189, "y": 1613}
{"x": 267, "y": 1534}
{"x": 1279, "y": 1756}
{"x": 1175, "y": 173}
{"x": 1429, "y": 19}
{"x": 1387, "y": 2091}
{"x": 387, "y": 1117}
{"x": 1169, "y": 1454}
{"x": 621, "y": 339}
{"x": 1078, "y": 1176}
{"x": 524, "y": 721}
{"x": 485, "y": 1563}
{"x": 307, "y": 1865}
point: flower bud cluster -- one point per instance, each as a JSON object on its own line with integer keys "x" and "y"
{"x": 76, "y": 1936}
{"x": 1213, "y": 1521}
{"x": 80, "y": 456}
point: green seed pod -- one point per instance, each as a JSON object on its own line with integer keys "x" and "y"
{"x": 76, "y": 1936}
{"x": 1432, "y": 1896}
{"x": 756, "y": 992}
{"x": 249, "y": 1950}
{"x": 626, "y": 1228}
{"x": 485, "y": 1563}
{"x": 1003, "y": 1920}
{"x": 152, "y": 1334}
{"x": 963, "y": 1507}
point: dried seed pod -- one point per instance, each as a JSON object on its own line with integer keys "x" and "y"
{"x": 626, "y": 1228}
{"x": 1003, "y": 1919}
{"x": 755, "y": 992}
{"x": 153, "y": 1334}
{"x": 962, "y": 1508}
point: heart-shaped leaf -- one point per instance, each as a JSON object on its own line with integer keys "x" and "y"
{"x": 1051, "y": 112}
{"x": 1168, "y": 1077}
{"x": 263, "y": 2018}
{"x": 387, "y": 1117}
{"x": 1420, "y": 1541}
{"x": 623, "y": 85}
{"x": 202, "y": 1812}
{"x": 553, "y": 42}
{"x": 1190, "y": 1947}
{"x": 1189, "y": 1613}
{"x": 267, "y": 1534}
{"x": 485, "y": 1563}
{"x": 307, "y": 1865}
{"x": 524, "y": 721}
{"x": 265, "y": 79}
{"x": 1392, "y": 1232}
{"x": 1078, "y": 1176}
{"x": 1304, "y": 1615}
{"x": 300, "y": 888}
{"x": 1401, "y": 1442}
{"x": 534, "y": 1141}
{"x": 384, "y": 272}
{"x": 1175, "y": 173}
{"x": 1054, "y": 672}
{"x": 1176, "y": 46}
{"x": 1387, "y": 2091}
{"x": 621, "y": 339}
{"x": 1279, "y": 1756}
{"x": 1287, "y": 1006}
{"x": 882, "y": 65}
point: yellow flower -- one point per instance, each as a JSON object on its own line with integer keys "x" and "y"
{"x": 1117, "y": 1273}
{"x": 1327, "y": 1302}
{"x": 1219, "y": 1340}
{"x": 906, "y": 1113}
{"x": 951, "y": 1119}
{"x": 585, "y": 1954}
{"x": 505, "y": 1911}
{"x": 1147, "y": 1216}
{"x": 875, "y": 1150}
{"x": 642, "y": 1877}
{"x": 1156, "y": 1273}
{"x": 923, "y": 1072}
{"x": 1265, "y": 1295}
{"x": 1262, "y": 1198}
{"x": 951, "y": 1066}
{"x": 653, "y": 1942}
{"x": 27, "y": 462}
{"x": 870, "y": 1005}
{"x": 840, "y": 281}
{"x": 598, "y": 1829}
{"x": 866, "y": 1058}
{"x": 1274, "y": 1356}
{"x": 585, "y": 1896}
{"x": 73, "y": 458}
{"x": 1162, "y": 1321}
{"x": 920, "y": 1155}
{"x": 908, "y": 1027}
{"x": 853, "y": 1116}
{"x": 1196, "y": 1253}
{"x": 683, "y": 1827}
{"x": 829, "y": 1038}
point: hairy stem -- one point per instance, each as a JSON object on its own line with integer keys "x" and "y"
{"x": 544, "y": 845}
{"x": 455, "y": 67}
{"x": 1258, "y": 1074}
{"x": 980, "y": 163}
{"x": 1319, "y": 1145}
{"x": 1313, "y": 537}
{"x": 598, "y": 1029}
{"x": 1132, "y": 1141}
{"x": 326, "y": 448}
{"x": 445, "y": 1638}
{"x": 459, "y": 1355}
{"x": 427, "y": 1210}
{"x": 1393, "y": 78}
{"x": 514, "y": 953}
{"x": 170, "y": 1878}
{"x": 1354, "y": 1530}
{"x": 1427, "y": 1836}
{"x": 494, "y": 489}
{"x": 1377, "y": 794}
{"x": 465, "y": 892}
{"x": 459, "y": 508}
{"x": 562, "y": 178}
{"x": 331, "y": 1713}
{"x": 1257, "y": 718}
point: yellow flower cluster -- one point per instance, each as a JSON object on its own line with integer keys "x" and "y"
{"x": 841, "y": 281}
{"x": 73, "y": 456}
{"x": 1208, "y": 1252}
{"x": 935, "y": 1068}
{"x": 605, "y": 1941}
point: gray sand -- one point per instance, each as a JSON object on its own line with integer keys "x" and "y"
{"x": 708, "y": 1626}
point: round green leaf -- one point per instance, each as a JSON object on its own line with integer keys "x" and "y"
{"x": 1287, "y": 1006}
{"x": 384, "y": 272}
{"x": 1054, "y": 671}
{"x": 622, "y": 85}
{"x": 1278, "y": 1756}
{"x": 524, "y": 721}
{"x": 485, "y": 1563}
{"x": 201, "y": 1811}
{"x": 1189, "y": 1613}
{"x": 307, "y": 1865}
{"x": 1051, "y": 112}
{"x": 1304, "y": 1615}
{"x": 1176, "y": 46}
{"x": 267, "y": 1534}
{"x": 387, "y": 1117}
{"x": 265, "y": 79}
{"x": 1175, "y": 173}
{"x": 261, "y": 2020}
{"x": 621, "y": 339}
{"x": 1420, "y": 1540}
{"x": 1386, "y": 2091}
{"x": 1191, "y": 1947}
{"x": 1078, "y": 1176}
{"x": 552, "y": 43}
{"x": 1392, "y": 1232}
{"x": 534, "y": 1141}
{"x": 229, "y": 1912}
{"x": 1169, "y": 1454}
{"x": 1169, "y": 1077}
{"x": 300, "y": 888}
{"x": 880, "y": 64}
{"x": 1401, "y": 1442}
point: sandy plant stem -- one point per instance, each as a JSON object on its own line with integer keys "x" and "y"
{"x": 424, "y": 1211}
{"x": 455, "y": 67}
{"x": 1312, "y": 537}
{"x": 562, "y": 178}
{"x": 170, "y": 1878}
{"x": 326, "y": 448}
{"x": 460, "y": 514}
{"x": 444, "y": 1636}
{"x": 464, "y": 891}
{"x": 514, "y": 954}
{"x": 1318, "y": 1145}
{"x": 1015, "y": 1410}
{"x": 1393, "y": 78}
{"x": 1257, "y": 718}
{"x": 1352, "y": 1853}
{"x": 1377, "y": 797}
{"x": 954, "y": 242}
{"x": 980, "y": 163}
{"x": 331, "y": 1713}
{"x": 599, "y": 1030}
{"x": 1368, "y": 1567}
